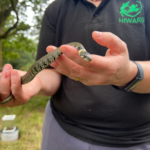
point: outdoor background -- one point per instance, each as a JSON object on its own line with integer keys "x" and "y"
{"x": 20, "y": 22}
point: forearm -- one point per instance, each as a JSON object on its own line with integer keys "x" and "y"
{"x": 50, "y": 81}
{"x": 144, "y": 86}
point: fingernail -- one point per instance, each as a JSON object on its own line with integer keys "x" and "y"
{"x": 98, "y": 34}
{"x": 6, "y": 68}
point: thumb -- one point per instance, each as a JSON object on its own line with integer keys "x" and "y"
{"x": 111, "y": 41}
{"x": 50, "y": 48}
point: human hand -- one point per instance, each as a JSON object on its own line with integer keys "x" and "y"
{"x": 10, "y": 82}
{"x": 114, "y": 68}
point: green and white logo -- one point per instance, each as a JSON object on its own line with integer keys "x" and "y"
{"x": 132, "y": 11}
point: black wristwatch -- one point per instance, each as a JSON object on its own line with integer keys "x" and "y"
{"x": 134, "y": 82}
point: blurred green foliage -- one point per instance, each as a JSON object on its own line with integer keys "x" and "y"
{"x": 19, "y": 51}
{"x": 15, "y": 12}
{"x": 20, "y": 44}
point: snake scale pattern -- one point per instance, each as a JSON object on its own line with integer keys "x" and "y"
{"x": 46, "y": 61}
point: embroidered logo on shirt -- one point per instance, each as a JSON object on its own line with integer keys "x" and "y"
{"x": 132, "y": 12}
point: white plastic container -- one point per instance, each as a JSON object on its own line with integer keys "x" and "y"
{"x": 10, "y": 136}
{"x": 9, "y": 130}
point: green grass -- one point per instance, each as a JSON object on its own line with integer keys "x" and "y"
{"x": 29, "y": 120}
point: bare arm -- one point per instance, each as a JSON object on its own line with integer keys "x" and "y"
{"x": 46, "y": 83}
{"x": 50, "y": 82}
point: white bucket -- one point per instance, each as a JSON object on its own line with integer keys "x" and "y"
{"x": 9, "y": 136}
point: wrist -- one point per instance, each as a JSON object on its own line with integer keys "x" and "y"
{"x": 135, "y": 81}
{"x": 129, "y": 75}
{"x": 36, "y": 86}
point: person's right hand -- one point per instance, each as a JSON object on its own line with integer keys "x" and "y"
{"x": 10, "y": 82}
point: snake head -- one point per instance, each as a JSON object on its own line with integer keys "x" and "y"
{"x": 85, "y": 55}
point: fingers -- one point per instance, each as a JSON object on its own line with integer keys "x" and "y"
{"x": 69, "y": 68}
{"x": 61, "y": 63}
{"x": 72, "y": 65}
{"x": 16, "y": 86}
{"x": 5, "y": 82}
{"x": 10, "y": 83}
{"x": 111, "y": 41}
{"x": 55, "y": 63}
{"x": 72, "y": 53}
{"x": 116, "y": 48}
{"x": 50, "y": 48}
{"x": 66, "y": 66}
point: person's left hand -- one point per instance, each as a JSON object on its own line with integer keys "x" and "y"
{"x": 114, "y": 68}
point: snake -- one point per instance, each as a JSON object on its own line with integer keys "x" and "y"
{"x": 45, "y": 61}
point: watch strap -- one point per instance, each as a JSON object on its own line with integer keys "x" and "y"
{"x": 135, "y": 81}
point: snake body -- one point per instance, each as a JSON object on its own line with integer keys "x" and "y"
{"x": 46, "y": 61}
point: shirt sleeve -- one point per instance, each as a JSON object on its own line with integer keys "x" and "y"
{"x": 148, "y": 29}
{"x": 48, "y": 29}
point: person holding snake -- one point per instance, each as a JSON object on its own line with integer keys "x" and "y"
{"x": 99, "y": 82}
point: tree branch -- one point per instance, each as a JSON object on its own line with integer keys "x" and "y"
{"x": 16, "y": 30}
{"x": 4, "y": 13}
{"x": 5, "y": 35}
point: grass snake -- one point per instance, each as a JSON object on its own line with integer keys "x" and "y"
{"x": 46, "y": 61}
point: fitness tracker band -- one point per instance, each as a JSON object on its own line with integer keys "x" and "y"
{"x": 135, "y": 81}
